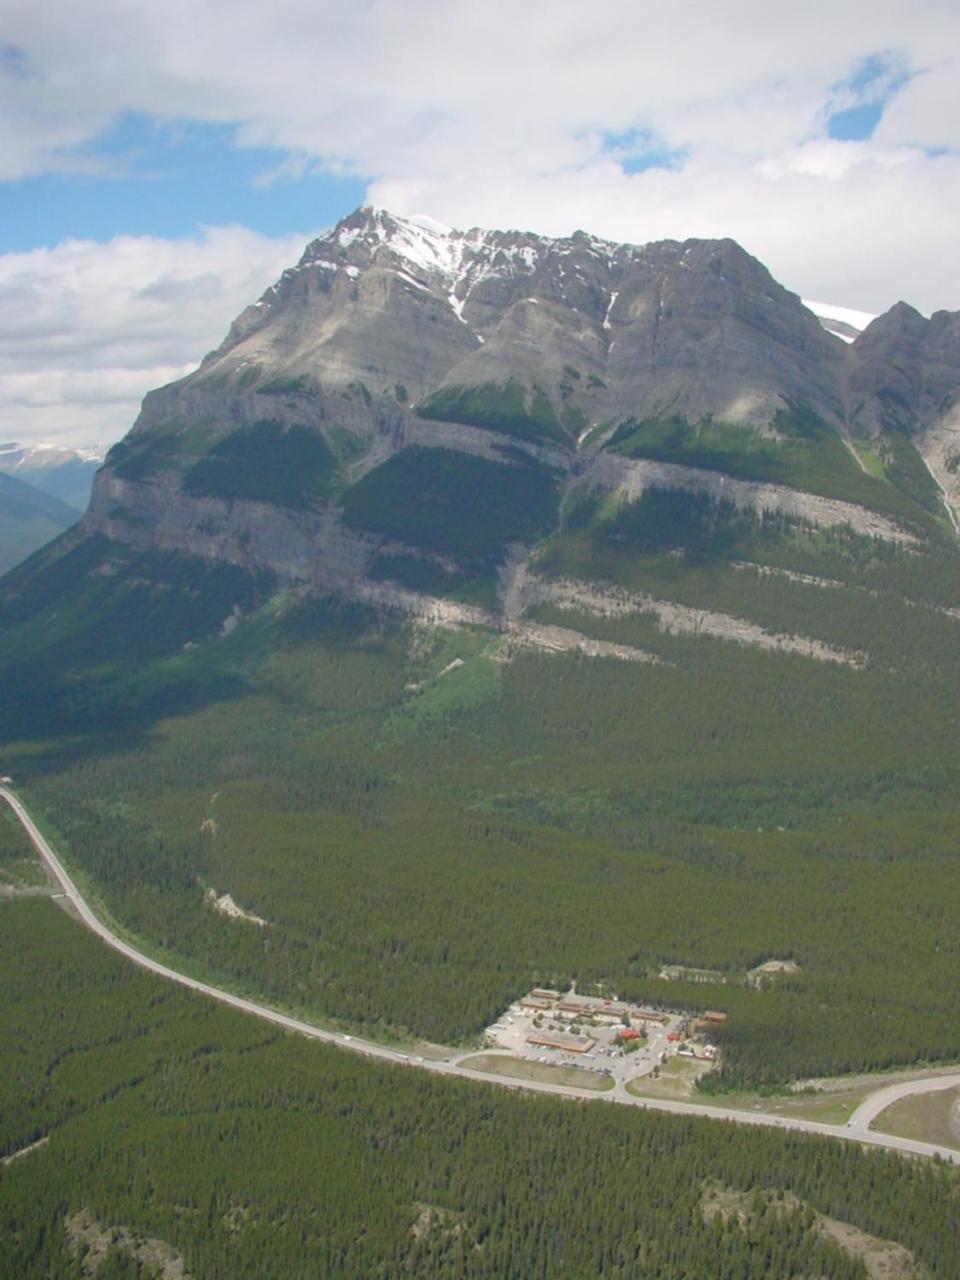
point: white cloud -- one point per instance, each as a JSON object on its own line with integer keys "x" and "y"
{"x": 389, "y": 86}
{"x": 926, "y": 111}
{"x": 497, "y": 114}
{"x": 86, "y": 329}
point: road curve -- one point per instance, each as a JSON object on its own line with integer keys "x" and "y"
{"x": 856, "y": 1131}
{"x": 871, "y": 1107}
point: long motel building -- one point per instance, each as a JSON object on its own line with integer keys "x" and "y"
{"x": 567, "y": 1044}
{"x": 571, "y": 1007}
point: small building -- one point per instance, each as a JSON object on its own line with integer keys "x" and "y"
{"x": 545, "y": 993}
{"x": 577, "y": 1007}
{"x": 648, "y": 1015}
{"x": 536, "y": 1003}
{"x": 567, "y": 1044}
{"x": 628, "y": 1033}
{"x": 712, "y": 1016}
{"x": 612, "y": 1011}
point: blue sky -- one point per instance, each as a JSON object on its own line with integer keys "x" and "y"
{"x": 168, "y": 179}
{"x": 165, "y": 150}
{"x": 871, "y": 87}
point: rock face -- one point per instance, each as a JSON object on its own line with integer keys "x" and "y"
{"x": 405, "y": 379}
{"x": 903, "y": 375}
{"x": 692, "y": 329}
{"x": 903, "y": 371}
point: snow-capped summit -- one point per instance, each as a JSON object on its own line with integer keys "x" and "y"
{"x": 64, "y": 472}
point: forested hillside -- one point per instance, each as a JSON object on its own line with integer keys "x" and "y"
{"x": 430, "y": 819}
{"x": 183, "y": 1134}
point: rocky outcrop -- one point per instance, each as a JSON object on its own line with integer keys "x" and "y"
{"x": 633, "y": 478}
{"x": 902, "y": 374}
{"x": 698, "y": 328}
{"x": 676, "y": 619}
{"x": 295, "y": 546}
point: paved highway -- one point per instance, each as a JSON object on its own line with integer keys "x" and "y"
{"x": 871, "y": 1107}
{"x": 857, "y": 1130}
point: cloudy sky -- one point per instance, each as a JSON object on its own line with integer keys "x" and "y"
{"x": 161, "y": 162}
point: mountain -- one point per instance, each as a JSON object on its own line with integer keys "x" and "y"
{"x": 491, "y": 609}
{"x": 62, "y": 472}
{"x": 902, "y": 384}
{"x": 394, "y": 338}
{"x": 28, "y": 519}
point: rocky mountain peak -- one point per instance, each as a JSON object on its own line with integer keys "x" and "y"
{"x": 693, "y": 328}
{"x": 903, "y": 371}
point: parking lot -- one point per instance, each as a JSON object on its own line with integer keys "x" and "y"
{"x": 590, "y": 1039}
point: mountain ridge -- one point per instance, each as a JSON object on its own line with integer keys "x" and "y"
{"x": 29, "y": 517}
{"x": 403, "y": 365}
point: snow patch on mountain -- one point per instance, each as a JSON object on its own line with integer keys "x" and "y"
{"x": 843, "y": 322}
{"x": 14, "y": 456}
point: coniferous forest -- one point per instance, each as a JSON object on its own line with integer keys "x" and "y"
{"x": 184, "y": 1133}
{"x": 429, "y": 821}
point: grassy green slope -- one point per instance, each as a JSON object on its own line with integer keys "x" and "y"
{"x": 805, "y": 454}
{"x": 512, "y": 410}
{"x": 253, "y": 1154}
{"x": 454, "y": 503}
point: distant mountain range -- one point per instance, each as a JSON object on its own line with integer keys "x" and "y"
{"x": 63, "y": 472}
{"x": 28, "y": 519}
{"x": 43, "y": 490}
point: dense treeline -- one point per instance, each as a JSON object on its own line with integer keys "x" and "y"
{"x": 18, "y": 865}
{"x": 290, "y": 466}
{"x": 255, "y": 1155}
{"x": 454, "y": 503}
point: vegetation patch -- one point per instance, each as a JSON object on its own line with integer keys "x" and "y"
{"x": 926, "y": 1117}
{"x": 521, "y": 1069}
{"x": 751, "y": 1212}
{"x": 454, "y": 503}
{"x": 303, "y": 384}
{"x": 805, "y": 454}
{"x": 20, "y": 868}
{"x": 162, "y": 447}
{"x": 513, "y": 410}
{"x": 288, "y": 466}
